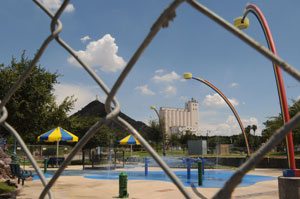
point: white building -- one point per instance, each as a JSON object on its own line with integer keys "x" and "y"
{"x": 180, "y": 120}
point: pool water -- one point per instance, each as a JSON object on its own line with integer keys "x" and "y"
{"x": 211, "y": 178}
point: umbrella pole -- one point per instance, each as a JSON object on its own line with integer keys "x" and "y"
{"x": 131, "y": 150}
{"x": 57, "y": 145}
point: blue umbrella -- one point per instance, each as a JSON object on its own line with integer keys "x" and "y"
{"x": 130, "y": 139}
{"x": 56, "y": 135}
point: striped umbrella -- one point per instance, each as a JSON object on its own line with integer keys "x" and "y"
{"x": 129, "y": 140}
{"x": 56, "y": 135}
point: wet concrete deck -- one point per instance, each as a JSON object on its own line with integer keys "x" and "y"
{"x": 80, "y": 187}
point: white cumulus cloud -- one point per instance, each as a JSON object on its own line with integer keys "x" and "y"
{"x": 144, "y": 90}
{"x": 83, "y": 94}
{"x": 159, "y": 71}
{"x": 101, "y": 54}
{"x": 250, "y": 121}
{"x": 169, "y": 90}
{"x": 85, "y": 38}
{"x": 234, "y": 85}
{"x": 54, "y": 5}
{"x": 216, "y": 101}
{"x": 167, "y": 78}
{"x": 231, "y": 126}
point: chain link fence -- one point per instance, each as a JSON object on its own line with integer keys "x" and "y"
{"x": 112, "y": 105}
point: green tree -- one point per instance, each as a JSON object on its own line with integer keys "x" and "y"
{"x": 254, "y": 128}
{"x": 249, "y": 136}
{"x": 272, "y": 124}
{"x": 32, "y": 109}
{"x": 184, "y": 138}
{"x": 104, "y": 137}
{"x": 215, "y": 140}
{"x": 254, "y": 140}
{"x": 294, "y": 109}
{"x": 239, "y": 140}
{"x": 247, "y": 130}
{"x": 275, "y": 122}
{"x": 174, "y": 140}
{"x": 155, "y": 136}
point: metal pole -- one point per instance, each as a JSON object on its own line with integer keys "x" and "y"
{"x": 230, "y": 106}
{"x": 279, "y": 80}
{"x": 57, "y": 145}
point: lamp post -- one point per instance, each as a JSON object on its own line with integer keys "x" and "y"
{"x": 190, "y": 76}
{"x": 243, "y": 23}
{"x": 161, "y": 129}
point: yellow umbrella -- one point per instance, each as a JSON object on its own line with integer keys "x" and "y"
{"x": 131, "y": 140}
{"x": 56, "y": 135}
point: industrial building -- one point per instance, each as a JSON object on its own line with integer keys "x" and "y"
{"x": 180, "y": 120}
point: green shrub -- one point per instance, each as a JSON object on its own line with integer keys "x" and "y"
{"x": 4, "y": 188}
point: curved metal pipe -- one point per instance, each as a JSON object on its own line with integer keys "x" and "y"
{"x": 230, "y": 106}
{"x": 251, "y": 8}
{"x": 4, "y": 114}
{"x": 247, "y": 39}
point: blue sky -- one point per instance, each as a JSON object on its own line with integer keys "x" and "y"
{"x": 107, "y": 33}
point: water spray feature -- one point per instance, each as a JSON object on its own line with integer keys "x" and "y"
{"x": 188, "y": 168}
{"x": 200, "y": 173}
{"x": 212, "y": 178}
{"x": 146, "y": 166}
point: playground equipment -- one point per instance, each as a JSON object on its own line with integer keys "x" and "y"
{"x": 123, "y": 185}
{"x": 200, "y": 167}
{"x": 146, "y": 166}
{"x": 200, "y": 173}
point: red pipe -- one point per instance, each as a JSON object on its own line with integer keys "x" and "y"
{"x": 279, "y": 80}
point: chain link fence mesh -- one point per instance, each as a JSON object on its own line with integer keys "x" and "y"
{"x": 113, "y": 108}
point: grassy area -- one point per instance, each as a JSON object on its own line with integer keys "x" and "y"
{"x": 220, "y": 167}
{"x": 4, "y": 188}
{"x": 181, "y": 153}
{"x": 178, "y": 153}
{"x": 226, "y": 155}
{"x": 297, "y": 154}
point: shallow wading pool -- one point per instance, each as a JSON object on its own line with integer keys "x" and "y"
{"x": 211, "y": 178}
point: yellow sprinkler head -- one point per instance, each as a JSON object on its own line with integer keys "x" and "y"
{"x": 152, "y": 107}
{"x": 241, "y": 25}
{"x": 187, "y": 75}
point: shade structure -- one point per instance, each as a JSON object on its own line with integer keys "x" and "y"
{"x": 56, "y": 135}
{"x": 129, "y": 140}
